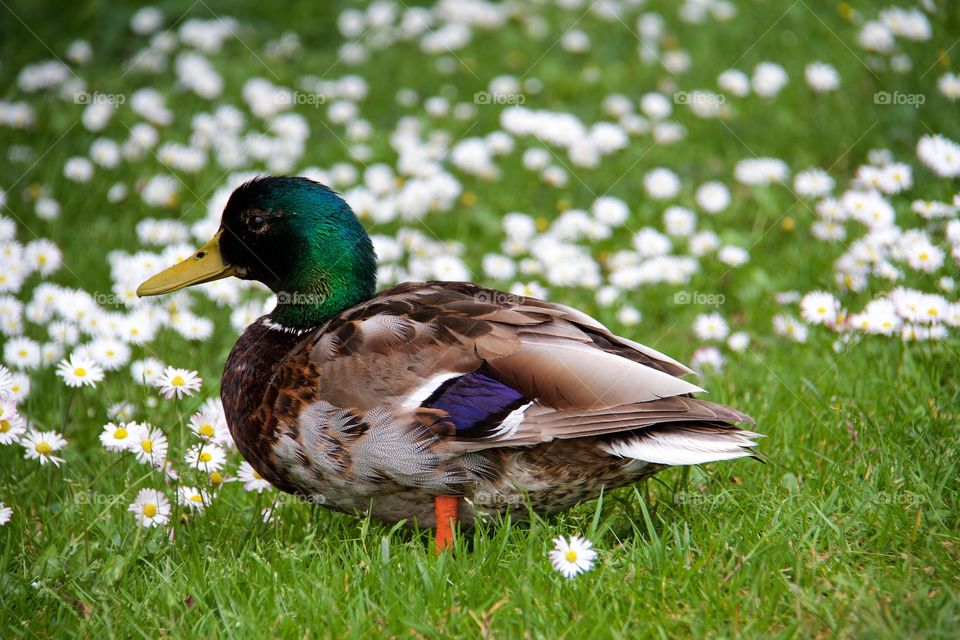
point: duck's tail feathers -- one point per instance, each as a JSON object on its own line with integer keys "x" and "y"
{"x": 683, "y": 444}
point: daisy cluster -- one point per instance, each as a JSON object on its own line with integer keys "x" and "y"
{"x": 885, "y": 250}
{"x": 204, "y": 462}
{"x": 438, "y": 156}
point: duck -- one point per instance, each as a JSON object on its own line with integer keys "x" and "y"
{"x": 434, "y": 403}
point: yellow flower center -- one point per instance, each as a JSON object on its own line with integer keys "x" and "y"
{"x": 821, "y": 309}
{"x": 204, "y": 457}
{"x": 216, "y": 478}
{"x": 4, "y": 426}
{"x": 196, "y": 497}
{"x": 178, "y": 381}
{"x": 147, "y": 445}
{"x": 22, "y": 353}
{"x": 206, "y": 430}
{"x": 932, "y": 311}
{"x": 150, "y": 510}
{"x": 44, "y": 448}
{"x": 120, "y": 433}
{"x": 79, "y": 372}
{"x": 571, "y": 555}
{"x": 924, "y": 256}
{"x": 257, "y": 476}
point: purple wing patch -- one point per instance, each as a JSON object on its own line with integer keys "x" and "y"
{"x": 476, "y": 402}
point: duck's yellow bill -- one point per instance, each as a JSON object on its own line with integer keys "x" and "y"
{"x": 205, "y": 265}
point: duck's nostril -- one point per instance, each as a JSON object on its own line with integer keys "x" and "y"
{"x": 200, "y": 255}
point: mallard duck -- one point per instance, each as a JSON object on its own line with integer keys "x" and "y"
{"x": 431, "y": 402}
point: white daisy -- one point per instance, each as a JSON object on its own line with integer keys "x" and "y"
{"x": 925, "y": 256}
{"x": 813, "y": 183}
{"x": 193, "y": 498}
{"x": 680, "y": 221}
{"x": 661, "y": 183}
{"x": 819, "y": 307}
{"x": 5, "y": 514}
{"x": 22, "y": 353}
{"x": 80, "y": 371}
{"x": 178, "y": 382}
{"x": 151, "y": 508}
{"x": 6, "y": 380}
{"x": 41, "y": 445}
{"x": 110, "y": 353}
{"x": 768, "y": 79}
{"x": 210, "y": 426}
{"x": 146, "y": 371}
{"x": 735, "y": 82}
{"x": 252, "y": 481}
{"x": 122, "y": 411}
{"x": 828, "y": 231}
{"x": 19, "y": 387}
{"x": 711, "y": 326}
{"x": 44, "y": 256}
{"x": 206, "y": 457}
{"x": 121, "y": 437}
{"x": 12, "y": 424}
{"x": 790, "y": 327}
{"x": 738, "y": 342}
{"x": 713, "y": 197}
{"x": 949, "y": 85}
{"x": 629, "y": 316}
{"x": 941, "y": 154}
{"x": 733, "y": 256}
{"x": 879, "y": 317}
{"x": 821, "y": 77}
{"x": 152, "y": 446}
{"x": 707, "y": 359}
{"x": 760, "y": 171}
{"x": 574, "y": 557}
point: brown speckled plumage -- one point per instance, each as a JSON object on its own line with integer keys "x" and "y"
{"x": 333, "y": 414}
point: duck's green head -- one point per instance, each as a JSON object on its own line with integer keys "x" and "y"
{"x": 292, "y": 234}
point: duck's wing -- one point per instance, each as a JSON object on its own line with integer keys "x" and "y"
{"x": 465, "y": 368}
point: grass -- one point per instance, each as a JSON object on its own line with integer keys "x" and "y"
{"x": 850, "y": 529}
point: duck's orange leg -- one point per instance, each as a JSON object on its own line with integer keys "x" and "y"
{"x": 446, "y": 509}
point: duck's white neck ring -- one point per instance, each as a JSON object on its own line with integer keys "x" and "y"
{"x": 276, "y": 326}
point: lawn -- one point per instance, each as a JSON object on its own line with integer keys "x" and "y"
{"x": 847, "y": 528}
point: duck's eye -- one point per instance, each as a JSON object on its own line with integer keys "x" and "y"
{"x": 257, "y": 222}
